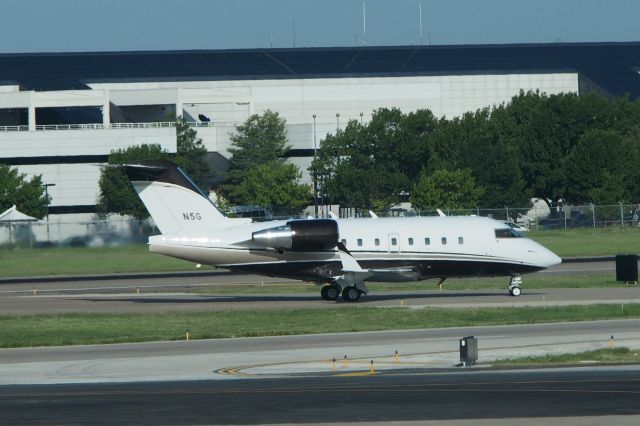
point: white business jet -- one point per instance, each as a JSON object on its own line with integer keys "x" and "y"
{"x": 340, "y": 255}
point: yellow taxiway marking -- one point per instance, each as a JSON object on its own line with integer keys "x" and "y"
{"x": 356, "y": 374}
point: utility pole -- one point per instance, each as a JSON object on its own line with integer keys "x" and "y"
{"x": 315, "y": 171}
{"x": 420, "y": 20}
{"x": 364, "y": 23}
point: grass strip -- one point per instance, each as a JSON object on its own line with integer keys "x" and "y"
{"x": 589, "y": 241}
{"x": 20, "y": 262}
{"x": 599, "y": 356}
{"x": 23, "y": 262}
{"x": 76, "y": 329}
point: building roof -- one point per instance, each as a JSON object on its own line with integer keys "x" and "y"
{"x": 611, "y": 66}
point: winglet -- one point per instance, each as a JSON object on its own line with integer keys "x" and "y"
{"x": 440, "y": 213}
{"x": 372, "y": 214}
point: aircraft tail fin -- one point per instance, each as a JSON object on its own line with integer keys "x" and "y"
{"x": 174, "y": 201}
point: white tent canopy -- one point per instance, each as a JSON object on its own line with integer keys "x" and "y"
{"x": 13, "y": 215}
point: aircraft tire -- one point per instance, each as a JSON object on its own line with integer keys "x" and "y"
{"x": 330, "y": 292}
{"x": 515, "y": 291}
{"x": 351, "y": 294}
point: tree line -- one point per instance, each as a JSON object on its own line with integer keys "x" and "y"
{"x": 581, "y": 149}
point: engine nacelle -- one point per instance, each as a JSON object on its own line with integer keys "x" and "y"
{"x": 300, "y": 235}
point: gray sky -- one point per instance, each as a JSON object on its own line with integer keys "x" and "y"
{"x": 101, "y": 25}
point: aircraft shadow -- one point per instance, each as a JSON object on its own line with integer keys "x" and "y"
{"x": 371, "y": 298}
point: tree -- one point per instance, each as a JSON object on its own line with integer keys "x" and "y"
{"x": 258, "y": 174}
{"x": 371, "y": 166}
{"x": 603, "y": 168}
{"x": 261, "y": 139}
{"x": 454, "y": 189}
{"x": 28, "y": 195}
{"x": 273, "y": 185}
{"x": 116, "y": 193}
{"x": 191, "y": 154}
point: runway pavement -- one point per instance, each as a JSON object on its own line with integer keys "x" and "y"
{"x": 577, "y": 397}
{"x": 292, "y": 379}
{"x": 161, "y": 293}
{"x": 310, "y": 355}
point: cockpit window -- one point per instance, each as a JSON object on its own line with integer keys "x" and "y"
{"x": 507, "y": 233}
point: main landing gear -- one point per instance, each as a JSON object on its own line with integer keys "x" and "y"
{"x": 330, "y": 292}
{"x": 350, "y": 293}
{"x": 514, "y": 285}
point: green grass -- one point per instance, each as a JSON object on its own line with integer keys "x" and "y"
{"x": 600, "y": 356}
{"x": 136, "y": 258}
{"x": 74, "y": 329}
{"x": 22, "y": 262}
{"x": 590, "y": 242}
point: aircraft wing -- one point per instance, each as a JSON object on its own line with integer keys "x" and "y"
{"x": 353, "y": 272}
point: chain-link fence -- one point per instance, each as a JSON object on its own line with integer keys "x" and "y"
{"x": 127, "y": 231}
{"x": 75, "y": 234}
{"x": 542, "y": 216}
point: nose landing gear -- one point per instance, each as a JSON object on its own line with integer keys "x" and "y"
{"x": 514, "y": 285}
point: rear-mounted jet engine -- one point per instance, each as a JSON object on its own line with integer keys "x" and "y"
{"x": 300, "y": 235}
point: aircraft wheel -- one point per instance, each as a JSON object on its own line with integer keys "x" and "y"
{"x": 351, "y": 294}
{"x": 330, "y": 292}
{"x": 515, "y": 291}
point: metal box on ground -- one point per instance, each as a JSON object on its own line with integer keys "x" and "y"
{"x": 468, "y": 350}
{"x": 627, "y": 268}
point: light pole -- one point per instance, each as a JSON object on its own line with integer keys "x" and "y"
{"x": 337, "y": 121}
{"x": 315, "y": 172}
{"x": 361, "y": 114}
{"x": 46, "y": 195}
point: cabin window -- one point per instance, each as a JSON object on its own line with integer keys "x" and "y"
{"x": 359, "y": 242}
{"x": 427, "y": 241}
{"x": 507, "y": 233}
{"x": 444, "y": 241}
{"x": 376, "y": 241}
{"x": 460, "y": 240}
{"x": 394, "y": 242}
{"x": 410, "y": 241}
{"x": 344, "y": 242}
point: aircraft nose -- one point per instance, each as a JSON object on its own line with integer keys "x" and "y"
{"x": 549, "y": 258}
